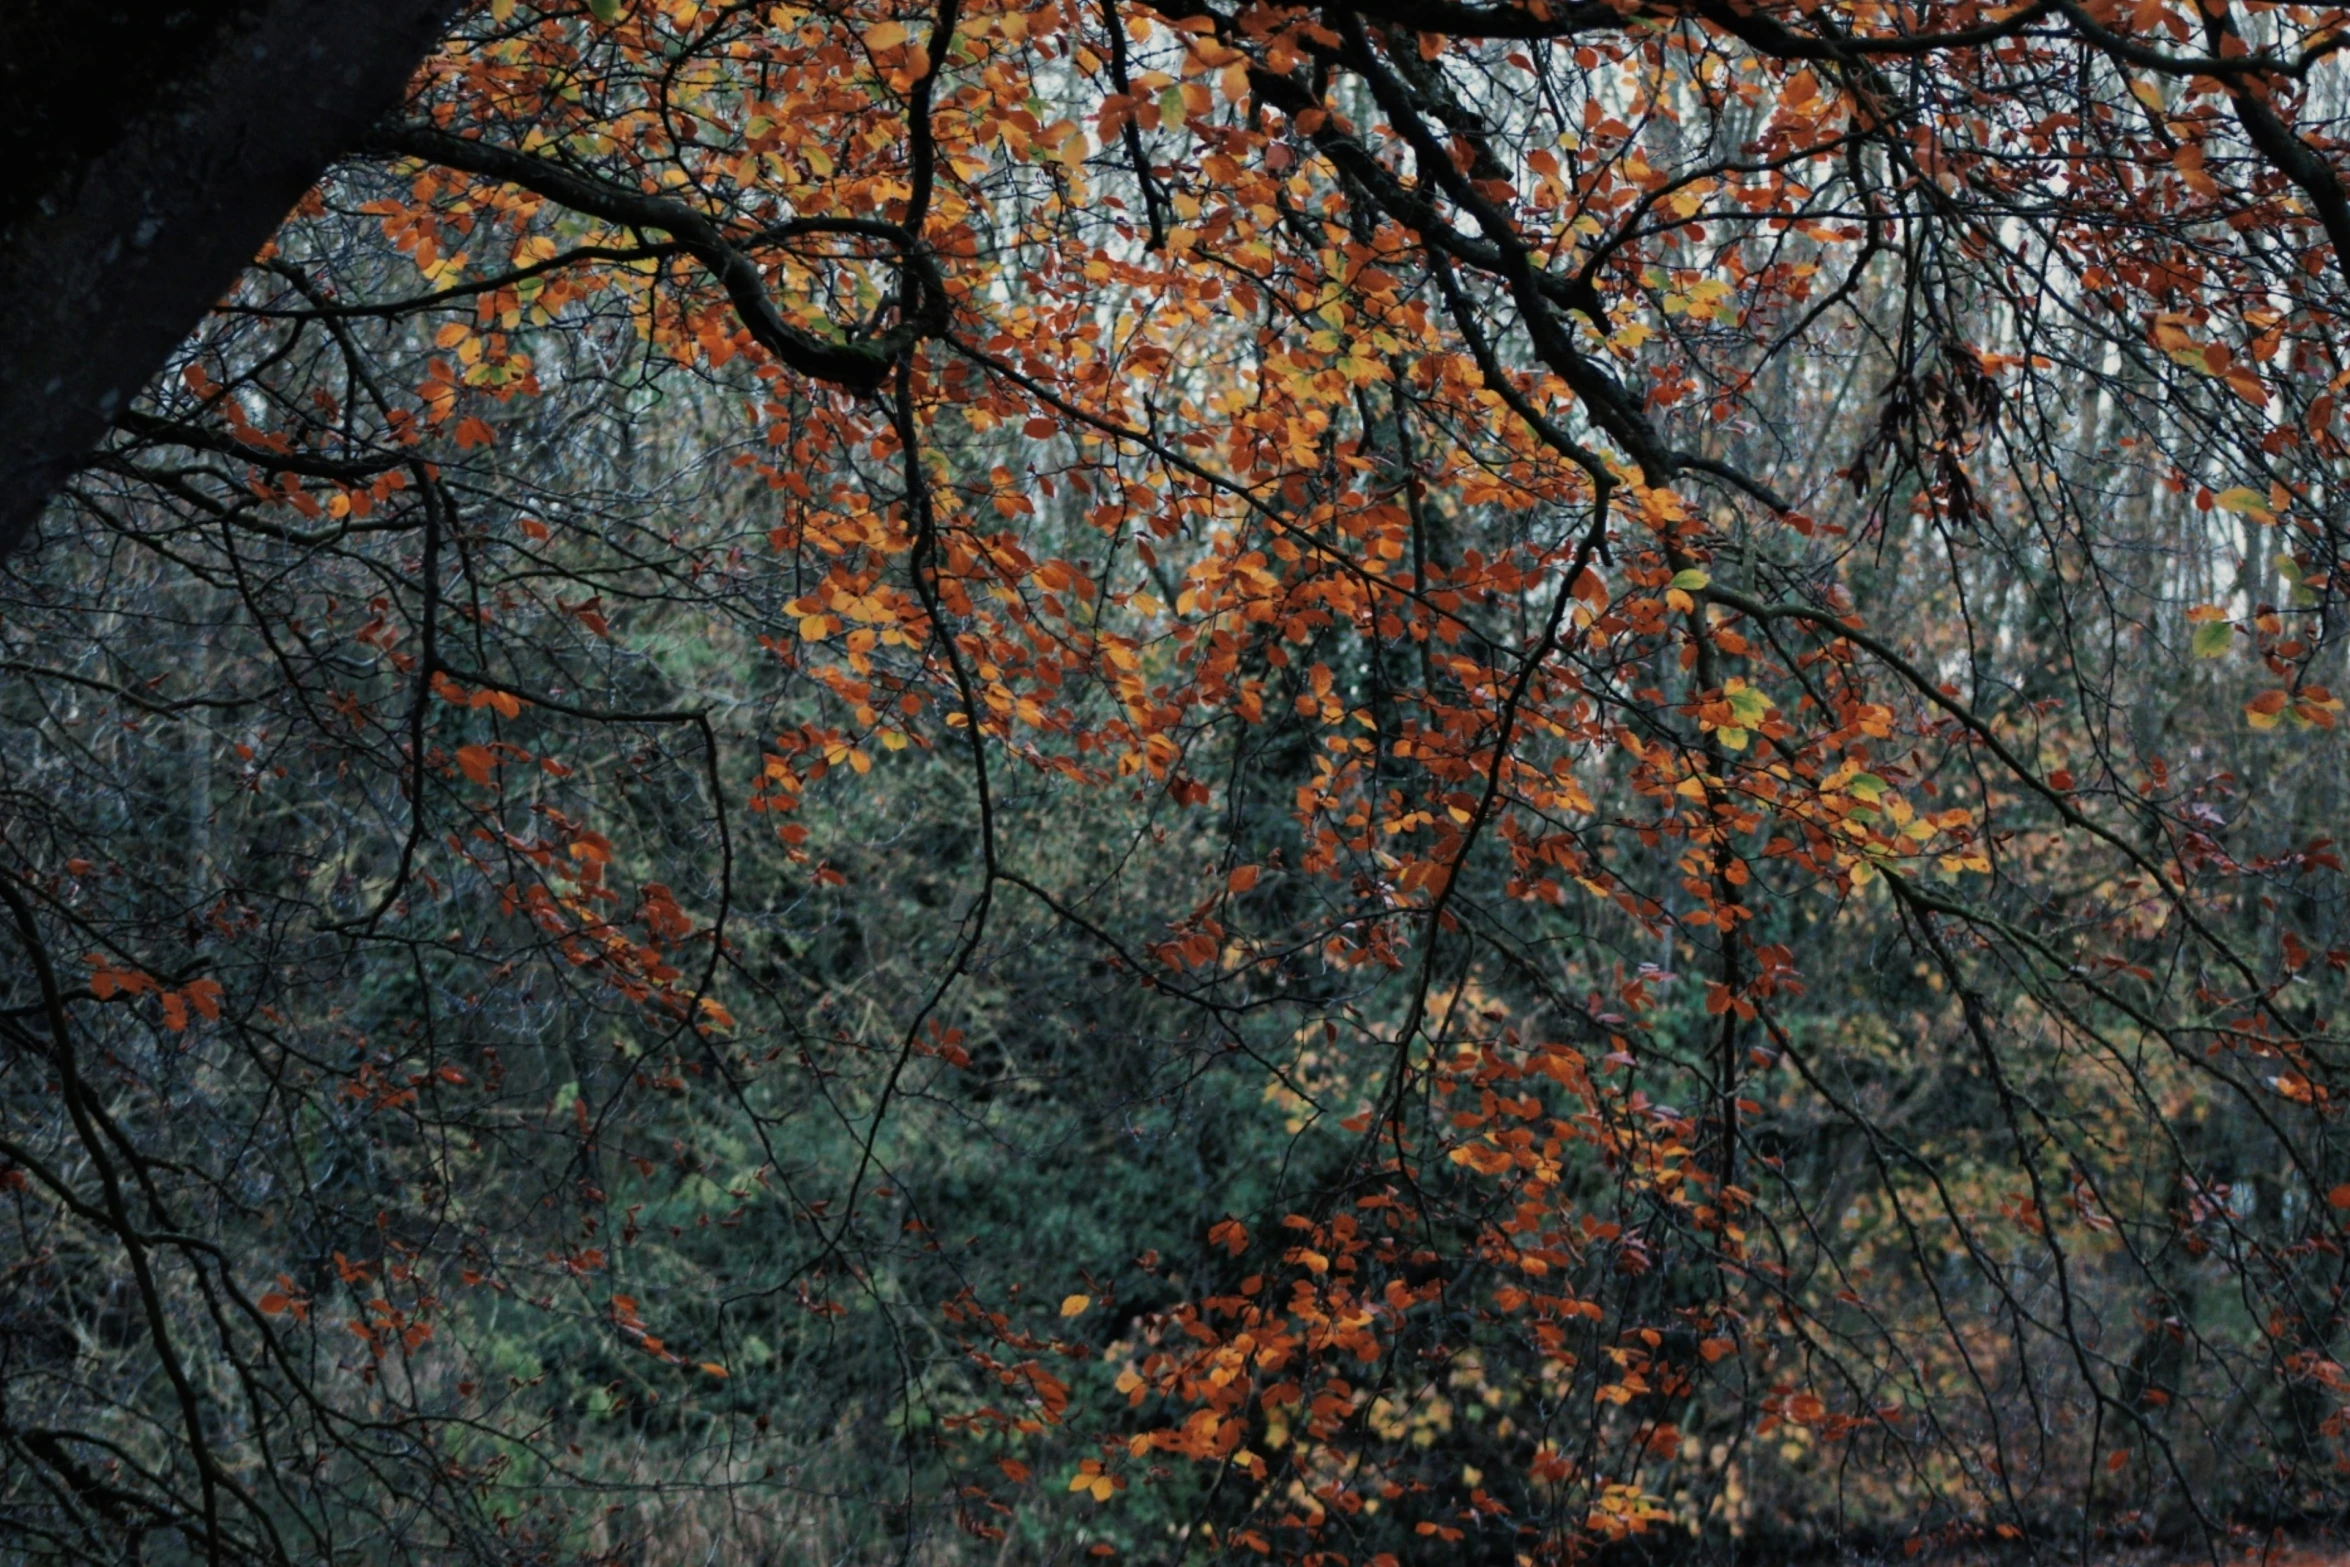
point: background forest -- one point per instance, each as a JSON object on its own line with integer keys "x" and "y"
{"x": 1365, "y": 784}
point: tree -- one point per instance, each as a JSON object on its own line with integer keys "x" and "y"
{"x": 155, "y": 148}
{"x": 1331, "y": 782}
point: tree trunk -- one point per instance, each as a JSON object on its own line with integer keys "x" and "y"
{"x": 153, "y": 147}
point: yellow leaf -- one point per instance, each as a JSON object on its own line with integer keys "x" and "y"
{"x": 886, "y": 36}
{"x": 1688, "y": 199}
{"x": 1629, "y": 337}
{"x": 2245, "y": 501}
{"x": 1074, "y": 1305}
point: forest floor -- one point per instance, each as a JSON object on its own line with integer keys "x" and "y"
{"x": 2311, "y": 1550}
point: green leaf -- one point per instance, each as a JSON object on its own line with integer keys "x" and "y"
{"x": 2213, "y": 638}
{"x": 1689, "y": 581}
{"x": 2244, "y": 501}
{"x": 605, "y": 11}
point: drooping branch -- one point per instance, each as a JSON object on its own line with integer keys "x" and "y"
{"x": 859, "y": 365}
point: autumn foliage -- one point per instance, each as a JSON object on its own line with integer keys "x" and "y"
{"x": 1363, "y": 784}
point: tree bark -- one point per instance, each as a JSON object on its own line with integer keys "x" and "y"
{"x": 153, "y": 149}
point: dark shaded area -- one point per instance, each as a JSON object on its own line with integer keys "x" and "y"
{"x": 153, "y": 149}
{"x": 76, "y": 76}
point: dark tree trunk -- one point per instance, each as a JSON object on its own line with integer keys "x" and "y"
{"x": 151, "y": 148}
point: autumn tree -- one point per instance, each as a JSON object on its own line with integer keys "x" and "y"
{"x": 1357, "y": 783}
